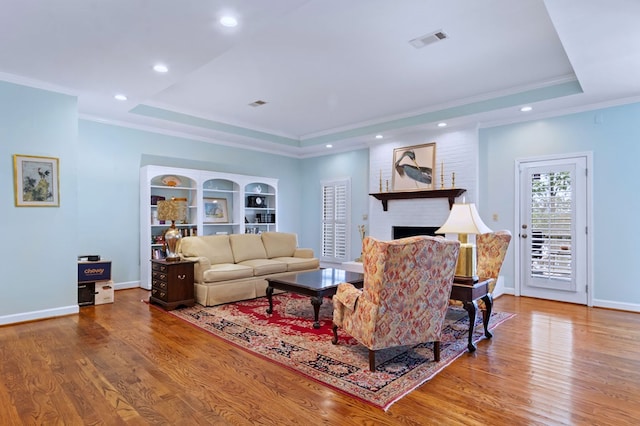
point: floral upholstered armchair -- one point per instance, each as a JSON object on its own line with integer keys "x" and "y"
{"x": 404, "y": 300}
{"x": 491, "y": 248}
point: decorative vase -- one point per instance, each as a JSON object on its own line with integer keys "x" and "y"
{"x": 171, "y": 238}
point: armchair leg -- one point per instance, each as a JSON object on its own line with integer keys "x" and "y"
{"x": 335, "y": 335}
{"x": 436, "y": 351}
{"x": 372, "y": 360}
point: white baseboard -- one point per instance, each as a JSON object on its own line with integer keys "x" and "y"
{"x": 38, "y": 315}
{"x": 500, "y": 289}
{"x": 631, "y": 307}
{"x": 503, "y": 291}
{"x": 126, "y": 285}
{"x": 330, "y": 265}
{"x": 56, "y": 312}
{"x": 597, "y": 303}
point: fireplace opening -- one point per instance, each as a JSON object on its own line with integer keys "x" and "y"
{"x": 411, "y": 231}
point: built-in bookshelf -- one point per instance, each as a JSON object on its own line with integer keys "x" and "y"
{"x": 217, "y": 203}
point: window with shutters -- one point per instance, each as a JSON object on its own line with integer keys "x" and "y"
{"x": 551, "y": 225}
{"x": 335, "y": 220}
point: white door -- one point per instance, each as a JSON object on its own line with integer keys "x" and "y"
{"x": 553, "y": 229}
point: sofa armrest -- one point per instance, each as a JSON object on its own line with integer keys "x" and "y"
{"x": 306, "y": 253}
{"x": 202, "y": 264}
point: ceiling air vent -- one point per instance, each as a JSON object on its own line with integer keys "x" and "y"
{"x": 422, "y": 41}
{"x": 257, "y": 103}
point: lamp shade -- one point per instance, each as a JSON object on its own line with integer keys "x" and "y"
{"x": 175, "y": 209}
{"x": 464, "y": 219}
{"x": 172, "y": 210}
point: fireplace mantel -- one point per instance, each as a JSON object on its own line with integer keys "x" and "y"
{"x": 451, "y": 194}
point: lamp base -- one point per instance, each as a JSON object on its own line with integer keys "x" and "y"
{"x": 171, "y": 238}
{"x": 459, "y": 279}
{"x": 466, "y": 266}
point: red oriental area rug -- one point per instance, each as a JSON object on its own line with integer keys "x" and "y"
{"x": 288, "y": 338}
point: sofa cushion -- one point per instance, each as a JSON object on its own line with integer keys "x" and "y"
{"x": 216, "y": 248}
{"x": 226, "y": 272}
{"x": 279, "y": 244}
{"x": 298, "y": 263}
{"x": 265, "y": 266}
{"x": 247, "y": 247}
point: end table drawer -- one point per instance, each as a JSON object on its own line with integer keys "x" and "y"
{"x": 159, "y": 267}
{"x": 159, "y": 294}
{"x": 159, "y": 275}
{"x": 161, "y": 285}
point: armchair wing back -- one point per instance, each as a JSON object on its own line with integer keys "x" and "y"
{"x": 404, "y": 299}
{"x": 492, "y": 249}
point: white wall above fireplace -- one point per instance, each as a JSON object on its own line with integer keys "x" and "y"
{"x": 459, "y": 152}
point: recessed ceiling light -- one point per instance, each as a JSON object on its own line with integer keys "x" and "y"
{"x": 160, "y": 68}
{"x": 120, "y": 97}
{"x": 526, "y": 108}
{"x": 228, "y": 21}
{"x": 379, "y": 136}
{"x": 329, "y": 145}
{"x": 442, "y": 124}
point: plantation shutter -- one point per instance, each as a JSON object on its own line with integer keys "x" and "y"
{"x": 335, "y": 220}
{"x": 551, "y": 225}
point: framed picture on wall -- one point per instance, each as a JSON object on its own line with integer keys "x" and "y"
{"x": 215, "y": 210}
{"x": 414, "y": 167}
{"x": 36, "y": 181}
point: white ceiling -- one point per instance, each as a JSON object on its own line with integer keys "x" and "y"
{"x": 331, "y": 71}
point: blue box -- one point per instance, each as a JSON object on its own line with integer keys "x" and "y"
{"x": 94, "y": 271}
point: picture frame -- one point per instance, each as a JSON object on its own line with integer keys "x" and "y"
{"x": 36, "y": 181}
{"x": 215, "y": 210}
{"x": 414, "y": 167}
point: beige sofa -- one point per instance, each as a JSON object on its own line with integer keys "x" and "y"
{"x": 235, "y": 267}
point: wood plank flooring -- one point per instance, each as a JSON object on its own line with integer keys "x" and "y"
{"x": 129, "y": 363}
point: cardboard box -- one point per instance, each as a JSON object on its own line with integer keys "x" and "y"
{"x": 104, "y": 293}
{"x": 94, "y": 271}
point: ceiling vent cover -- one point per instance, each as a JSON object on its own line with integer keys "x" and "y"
{"x": 424, "y": 40}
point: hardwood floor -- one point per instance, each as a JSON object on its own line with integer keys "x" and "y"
{"x": 129, "y": 363}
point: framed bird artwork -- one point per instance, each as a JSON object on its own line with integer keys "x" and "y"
{"x": 414, "y": 167}
{"x": 36, "y": 181}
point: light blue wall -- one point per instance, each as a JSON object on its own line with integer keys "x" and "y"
{"x": 99, "y": 174}
{"x": 38, "y": 249}
{"x": 353, "y": 165}
{"x": 613, "y": 135}
{"x": 99, "y": 187}
{"x": 108, "y": 185}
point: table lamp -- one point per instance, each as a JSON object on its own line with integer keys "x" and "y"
{"x": 174, "y": 209}
{"x": 464, "y": 220}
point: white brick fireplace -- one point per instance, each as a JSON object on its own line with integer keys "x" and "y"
{"x": 459, "y": 152}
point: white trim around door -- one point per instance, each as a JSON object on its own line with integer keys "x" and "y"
{"x": 575, "y": 284}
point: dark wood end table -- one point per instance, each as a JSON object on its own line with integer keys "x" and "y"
{"x": 317, "y": 284}
{"x": 469, "y": 294}
{"x": 172, "y": 283}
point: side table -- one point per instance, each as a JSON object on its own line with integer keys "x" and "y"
{"x": 172, "y": 283}
{"x": 468, "y": 294}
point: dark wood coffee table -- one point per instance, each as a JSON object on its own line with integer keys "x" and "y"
{"x": 317, "y": 284}
{"x": 469, "y": 294}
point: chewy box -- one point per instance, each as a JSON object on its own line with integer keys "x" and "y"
{"x": 94, "y": 271}
{"x": 103, "y": 293}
